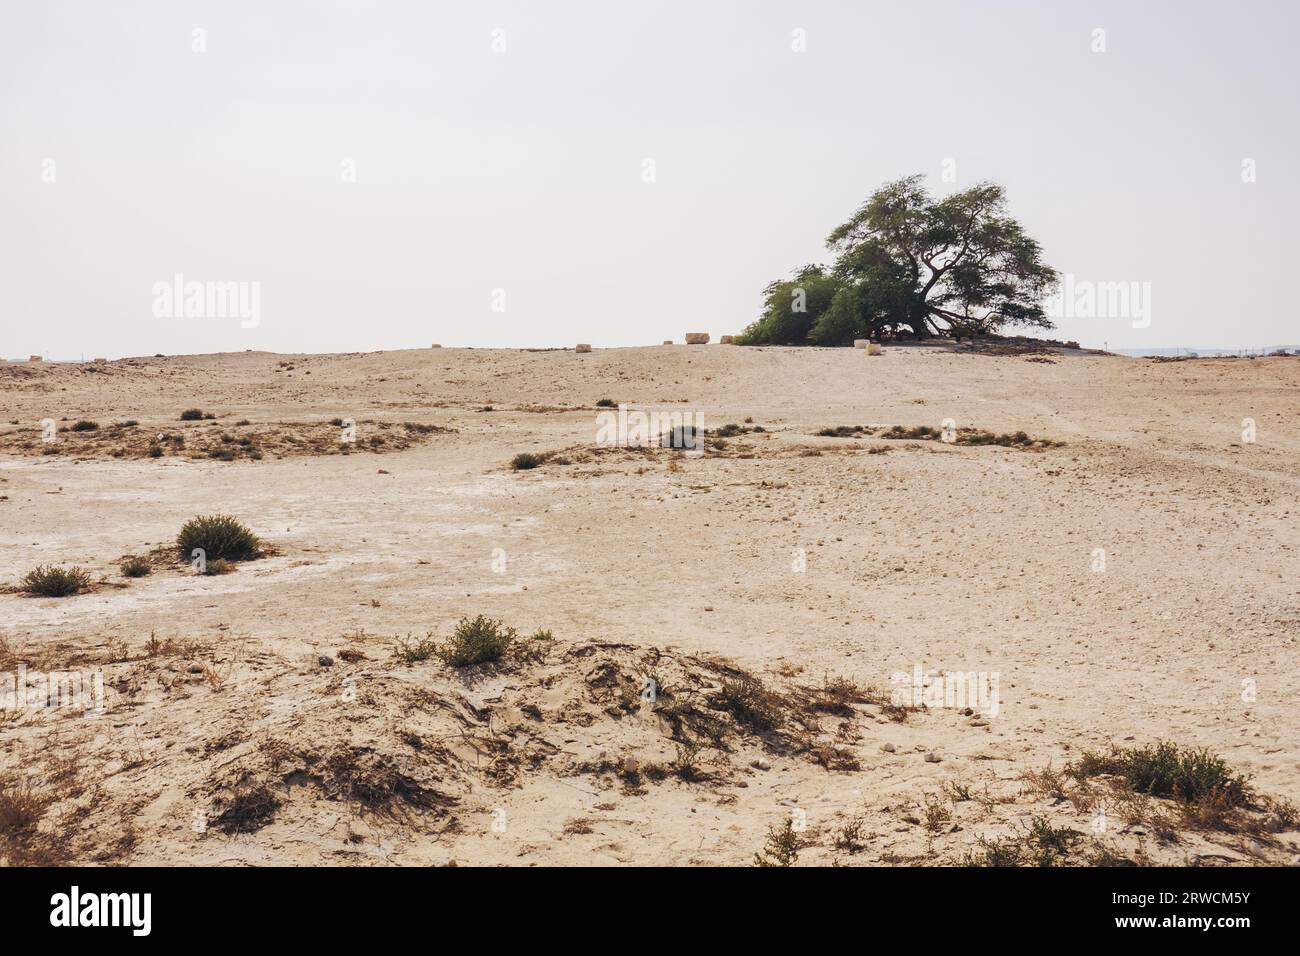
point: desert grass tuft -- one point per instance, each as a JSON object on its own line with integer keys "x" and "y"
{"x": 220, "y": 536}
{"x": 51, "y": 581}
{"x": 1164, "y": 769}
{"x": 752, "y": 704}
{"x": 480, "y": 640}
{"x": 135, "y": 567}
{"x": 781, "y": 848}
{"x": 527, "y": 460}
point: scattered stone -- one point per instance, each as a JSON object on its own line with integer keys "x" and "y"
{"x": 583, "y": 347}
{"x": 727, "y": 339}
{"x": 630, "y": 765}
{"x": 697, "y": 338}
{"x": 932, "y": 757}
{"x": 325, "y": 661}
{"x": 761, "y": 763}
{"x": 859, "y": 343}
{"x": 668, "y": 341}
{"x": 888, "y": 748}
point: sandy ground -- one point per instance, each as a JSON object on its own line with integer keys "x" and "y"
{"x": 932, "y": 555}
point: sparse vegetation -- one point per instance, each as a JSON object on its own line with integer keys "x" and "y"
{"x": 220, "y": 536}
{"x": 685, "y": 763}
{"x": 732, "y": 430}
{"x": 135, "y": 567}
{"x": 937, "y": 816}
{"x": 844, "y": 431}
{"x": 22, "y": 806}
{"x": 606, "y": 403}
{"x": 85, "y": 426}
{"x": 1039, "y": 844}
{"x": 961, "y": 436}
{"x": 681, "y": 437}
{"x": 192, "y": 415}
{"x": 850, "y": 836}
{"x": 1164, "y": 769}
{"x": 480, "y": 640}
{"x": 414, "y": 652}
{"x": 916, "y": 431}
{"x": 53, "y": 581}
{"x": 752, "y": 704}
{"x": 251, "y": 808}
{"x": 527, "y": 460}
{"x": 782, "y": 847}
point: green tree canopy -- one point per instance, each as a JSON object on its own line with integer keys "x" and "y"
{"x": 907, "y": 263}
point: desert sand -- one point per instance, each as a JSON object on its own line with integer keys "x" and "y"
{"x": 799, "y": 559}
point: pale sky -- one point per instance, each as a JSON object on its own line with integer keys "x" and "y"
{"x": 127, "y": 157}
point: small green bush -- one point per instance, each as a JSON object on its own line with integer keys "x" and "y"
{"x": 782, "y": 847}
{"x": 1164, "y": 769}
{"x": 478, "y": 641}
{"x": 85, "y": 426}
{"x": 606, "y": 403}
{"x": 135, "y": 567}
{"x": 918, "y": 431}
{"x": 409, "y": 652}
{"x": 53, "y": 581}
{"x": 192, "y": 415}
{"x": 220, "y": 536}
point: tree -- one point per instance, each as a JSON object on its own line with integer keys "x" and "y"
{"x": 907, "y": 263}
{"x": 791, "y": 307}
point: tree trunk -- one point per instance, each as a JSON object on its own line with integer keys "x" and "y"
{"x": 917, "y": 320}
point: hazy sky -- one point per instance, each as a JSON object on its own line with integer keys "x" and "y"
{"x": 516, "y": 178}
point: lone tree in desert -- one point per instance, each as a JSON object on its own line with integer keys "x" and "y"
{"x": 911, "y": 265}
